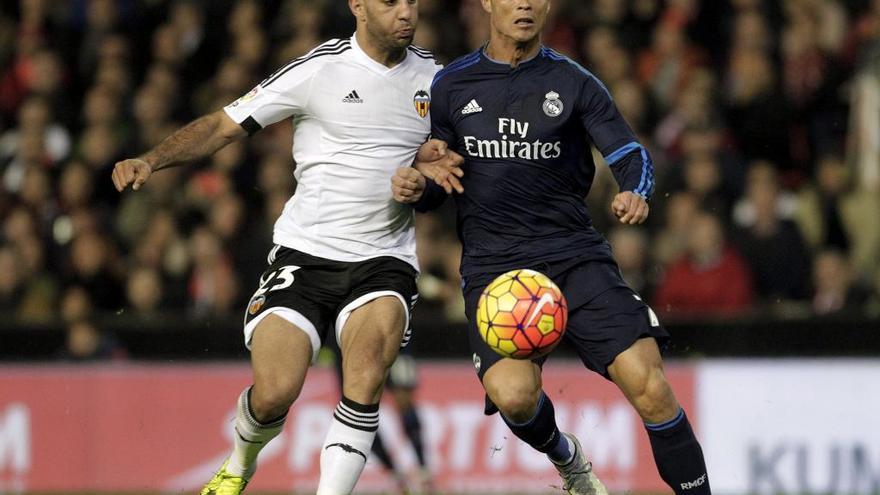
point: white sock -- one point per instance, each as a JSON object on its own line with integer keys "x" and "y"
{"x": 250, "y": 438}
{"x": 347, "y": 446}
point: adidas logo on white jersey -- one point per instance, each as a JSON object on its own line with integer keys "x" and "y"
{"x": 472, "y": 107}
{"x": 353, "y": 97}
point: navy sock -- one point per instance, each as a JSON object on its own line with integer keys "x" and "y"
{"x": 678, "y": 455}
{"x": 542, "y": 433}
{"x": 413, "y": 428}
{"x": 382, "y": 454}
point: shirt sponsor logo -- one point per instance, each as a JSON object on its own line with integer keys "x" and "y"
{"x": 510, "y": 146}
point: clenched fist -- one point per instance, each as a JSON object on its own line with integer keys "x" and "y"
{"x": 133, "y": 171}
{"x": 630, "y": 208}
{"x": 407, "y": 185}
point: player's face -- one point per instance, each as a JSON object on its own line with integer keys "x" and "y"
{"x": 520, "y": 20}
{"x": 391, "y": 22}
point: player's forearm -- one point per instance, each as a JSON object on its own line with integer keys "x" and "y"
{"x": 198, "y": 139}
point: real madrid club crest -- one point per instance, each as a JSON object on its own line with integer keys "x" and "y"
{"x": 553, "y": 105}
{"x": 256, "y": 304}
{"x": 422, "y": 102}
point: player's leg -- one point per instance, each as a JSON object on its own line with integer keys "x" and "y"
{"x": 280, "y": 356}
{"x": 370, "y": 340}
{"x": 638, "y": 371}
{"x": 514, "y": 387}
{"x": 402, "y": 382}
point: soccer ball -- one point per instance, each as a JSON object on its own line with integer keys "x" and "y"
{"x": 522, "y": 314}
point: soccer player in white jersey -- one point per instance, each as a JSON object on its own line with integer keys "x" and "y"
{"x": 345, "y": 250}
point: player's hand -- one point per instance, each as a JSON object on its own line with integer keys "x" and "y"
{"x": 437, "y": 162}
{"x": 133, "y": 171}
{"x": 630, "y": 208}
{"x": 407, "y": 185}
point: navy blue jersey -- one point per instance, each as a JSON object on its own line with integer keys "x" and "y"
{"x": 525, "y": 134}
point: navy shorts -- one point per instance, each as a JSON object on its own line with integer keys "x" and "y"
{"x": 605, "y": 316}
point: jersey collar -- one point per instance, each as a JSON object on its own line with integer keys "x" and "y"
{"x": 373, "y": 64}
{"x": 485, "y": 56}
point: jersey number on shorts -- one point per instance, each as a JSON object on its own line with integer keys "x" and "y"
{"x": 283, "y": 278}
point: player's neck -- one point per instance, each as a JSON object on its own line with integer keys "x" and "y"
{"x": 507, "y": 50}
{"x": 389, "y": 57}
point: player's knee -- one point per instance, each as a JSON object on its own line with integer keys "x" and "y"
{"x": 273, "y": 400}
{"x": 516, "y": 401}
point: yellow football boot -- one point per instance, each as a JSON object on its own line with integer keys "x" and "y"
{"x": 224, "y": 483}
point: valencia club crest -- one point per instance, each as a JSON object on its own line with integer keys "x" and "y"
{"x": 422, "y": 102}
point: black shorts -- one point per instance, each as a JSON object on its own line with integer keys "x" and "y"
{"x": 318, "y": 294}
{"x": 605, "y": 316}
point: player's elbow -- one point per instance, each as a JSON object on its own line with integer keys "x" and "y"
{"x": 225, "y": 129}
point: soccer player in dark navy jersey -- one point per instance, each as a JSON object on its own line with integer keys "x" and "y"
{"x": 524, "y": 118}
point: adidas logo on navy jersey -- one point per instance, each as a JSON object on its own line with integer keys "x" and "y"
{"x": 353, "y": 97}
{"x": 471, "y": 107}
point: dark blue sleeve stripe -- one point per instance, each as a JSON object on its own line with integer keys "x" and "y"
{"x": 621, "y": 152}
{"x": 646, "y": 184}
{"x": 554, "y": 55}
{"x": 457, "y": 66}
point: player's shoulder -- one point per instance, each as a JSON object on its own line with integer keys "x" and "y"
{"x": 313, "y": 60}
{"x": 423, "y": 59}
{"x": 457, "y": 67}
{"x": 423, "y": 54}
{"x": 574, "y": 69}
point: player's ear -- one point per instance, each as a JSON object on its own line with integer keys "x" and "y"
{"x": 487, "y": 5}
{"x": 357, "y": 9}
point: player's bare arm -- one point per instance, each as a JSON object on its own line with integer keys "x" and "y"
{"x": 437, "y": 162}
{"x": 407, "y": 185}
{"x": 196, "y": 140}
{"x": 630, "y": 208}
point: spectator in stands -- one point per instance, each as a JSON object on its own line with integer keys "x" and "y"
{"x": 834, "y": 213}
{"x": 91, "y": 258}
{"x": 711, "y": 279}
{"x": 35, "y": 118}
{"x": 213, "y": 287}
{"x": 835, "y": 290}
{"x": 670, "y": 242}
{"x": 631, "y": 250}
{"x": 86, "y": 342}
{"x": 75, "y": 304}
{"x": 756, "y": 109}
{"x": 39, "y": 286}
{"x": 10, "y": 280}
{"x": 143, "y": 292}
{"x": 771, "y": 244}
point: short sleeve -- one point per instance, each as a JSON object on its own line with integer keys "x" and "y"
{"x": 281, "y": 95}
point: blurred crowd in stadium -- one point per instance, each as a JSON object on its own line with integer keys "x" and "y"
{"x": 761, "y": 116}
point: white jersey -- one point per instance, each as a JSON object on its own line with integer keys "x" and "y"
{"x": 356, "y": 122}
